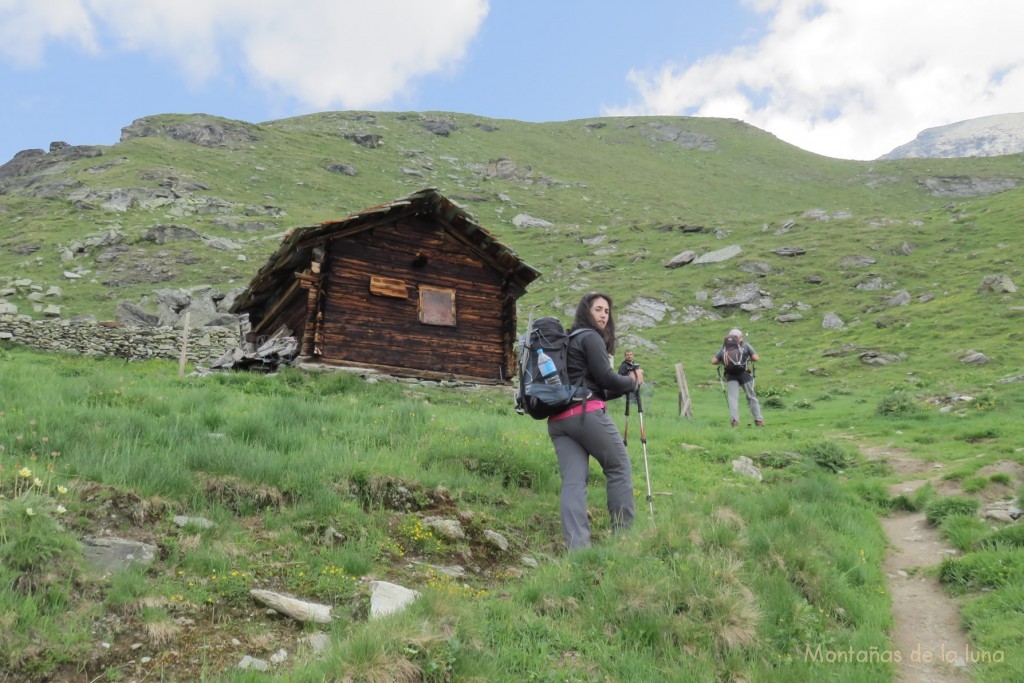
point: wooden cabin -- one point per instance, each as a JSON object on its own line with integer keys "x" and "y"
{"x": 412, "y": 288}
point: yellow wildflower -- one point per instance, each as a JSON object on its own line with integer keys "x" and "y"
{"x": 25, "y": 472}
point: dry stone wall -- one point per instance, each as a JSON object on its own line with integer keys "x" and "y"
{"x": 205, "y": 344}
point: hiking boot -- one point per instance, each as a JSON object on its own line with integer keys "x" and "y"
{"x": 759, "y": 423}
{"x": 735, "y": 423}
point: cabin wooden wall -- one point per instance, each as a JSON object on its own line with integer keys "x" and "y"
{"x": 367, "y": 328}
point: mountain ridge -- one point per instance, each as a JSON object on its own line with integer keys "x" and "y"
{"x": 986, "y": 136}
{"x": 187, "y": 207}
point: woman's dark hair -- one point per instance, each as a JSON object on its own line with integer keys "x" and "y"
{"x": 584, "y": 319}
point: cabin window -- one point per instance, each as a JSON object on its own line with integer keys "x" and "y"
{"x": 437, "y": 306}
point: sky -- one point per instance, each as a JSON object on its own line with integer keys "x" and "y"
{"x": 851, "y": 79}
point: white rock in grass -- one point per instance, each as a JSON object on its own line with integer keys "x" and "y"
{"x": 387, "y": 598}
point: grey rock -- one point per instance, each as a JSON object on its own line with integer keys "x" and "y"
{"x": 387, "y": 598}
{"x": 132, "y": 314}
{"x": 901, "y": 298}
{"x": 755, "y": 267}
{"x": 681, "y": 259}
{"x": 496, "y": 539}
{"x": 198, "y": 522}
{"x": 110, "y": 555}
{"x": 162, "y": 234}
{"x": 343, "y": 169}
{"x": 974, "y": 358}
{"x": 745, "y": 466}
{"x": 831, "y": 321}
{"x": 998, "y": 284}
{"x": 719, "y": 255}
{"x": 524, "y": 220}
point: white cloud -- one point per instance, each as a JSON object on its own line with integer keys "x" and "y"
{"x": 324, "y": 53}
{"x": 26, "y": 26}
{"x": 854, "y": 78}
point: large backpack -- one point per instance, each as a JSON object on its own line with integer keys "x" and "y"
{"x": 734, "y": 356}
{"x": 537, "y": 398}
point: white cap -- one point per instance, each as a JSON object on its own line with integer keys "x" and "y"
{"x": 734, "y": 332}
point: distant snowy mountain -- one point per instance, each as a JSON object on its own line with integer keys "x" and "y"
{"x": 987, "y": 136}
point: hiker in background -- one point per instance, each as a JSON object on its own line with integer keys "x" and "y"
{"x": 629, "y": 365}
{"x": 733, "y": 357}
{"x": 587, "y": 430}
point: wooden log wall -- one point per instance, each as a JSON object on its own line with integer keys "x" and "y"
{"x": 366, "y": 328}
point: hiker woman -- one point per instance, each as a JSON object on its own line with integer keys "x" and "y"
{"x": 587, "y": 430}
{"x": 733, "y": 356}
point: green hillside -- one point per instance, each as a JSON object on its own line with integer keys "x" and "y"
{"x": 320, "y": 484}
{"x": 616, "y": 193}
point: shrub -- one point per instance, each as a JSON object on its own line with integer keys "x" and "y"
{"x": 986, "y": 569}
{"x": 938, "y": 510}
{"x": 975, "y": 484}
{"x": 915, "y": 501}
{"x": 874, "y": 493}
{"x": 897, "y": 403}
{"x": 33, "y": 542}
{"x": 963, "y": 532}
{"x": 829, "y": 455}
{"x": 1008, "y": 537}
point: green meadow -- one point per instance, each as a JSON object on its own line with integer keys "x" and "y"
{"x": 730, "y": 578}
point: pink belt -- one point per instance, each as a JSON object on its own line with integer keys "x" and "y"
{"x": 589, "y": 406}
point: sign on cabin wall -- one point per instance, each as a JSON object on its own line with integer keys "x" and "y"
{"x": 388, "y": 286}
{"x": 437, "y": 306}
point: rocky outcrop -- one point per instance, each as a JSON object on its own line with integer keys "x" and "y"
{"x": 200, "y": 129}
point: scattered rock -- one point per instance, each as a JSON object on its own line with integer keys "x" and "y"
{"x": 744, "y": 465}
{"x": 527, "y": 221}
{"x": 110, "y": 555}
{"x": 999, "y": 284}
{"x": 387, "y": 598}
{"x": 681, "y": 259}
{"x": 719, "y": 255}
{"x": 831, "y": 321}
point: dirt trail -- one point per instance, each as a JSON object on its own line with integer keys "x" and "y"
{"x": 926, "y": 621}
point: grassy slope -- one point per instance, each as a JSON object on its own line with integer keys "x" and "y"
{"x": 616, "y": 182}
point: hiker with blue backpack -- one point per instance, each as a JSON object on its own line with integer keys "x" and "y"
{"x": 586, "y": 430}
{"x": 733, "y": 358}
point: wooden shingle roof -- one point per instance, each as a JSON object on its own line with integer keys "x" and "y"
{"x": 295, "y": 253}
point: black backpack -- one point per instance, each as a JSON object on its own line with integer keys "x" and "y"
{"x": 734, "y": 356}
{"x": 536, "y": 397}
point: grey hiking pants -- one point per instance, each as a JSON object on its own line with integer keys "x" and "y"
{"x": 575, "y": 441}
{"x": 732, "y": 388}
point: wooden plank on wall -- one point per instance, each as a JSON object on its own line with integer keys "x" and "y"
{"x": 388, "y": 286}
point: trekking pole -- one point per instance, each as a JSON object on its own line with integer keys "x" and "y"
{"x": 643, "y": 440}
{"x": 625, "y": 433}
{"x": 722, "y": 382}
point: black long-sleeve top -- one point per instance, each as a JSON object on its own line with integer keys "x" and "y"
{"x": 588, "y": 356}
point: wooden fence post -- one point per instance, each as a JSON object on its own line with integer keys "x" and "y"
{"x": 685, "y": 405}
{"x": 184, "y": 347}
